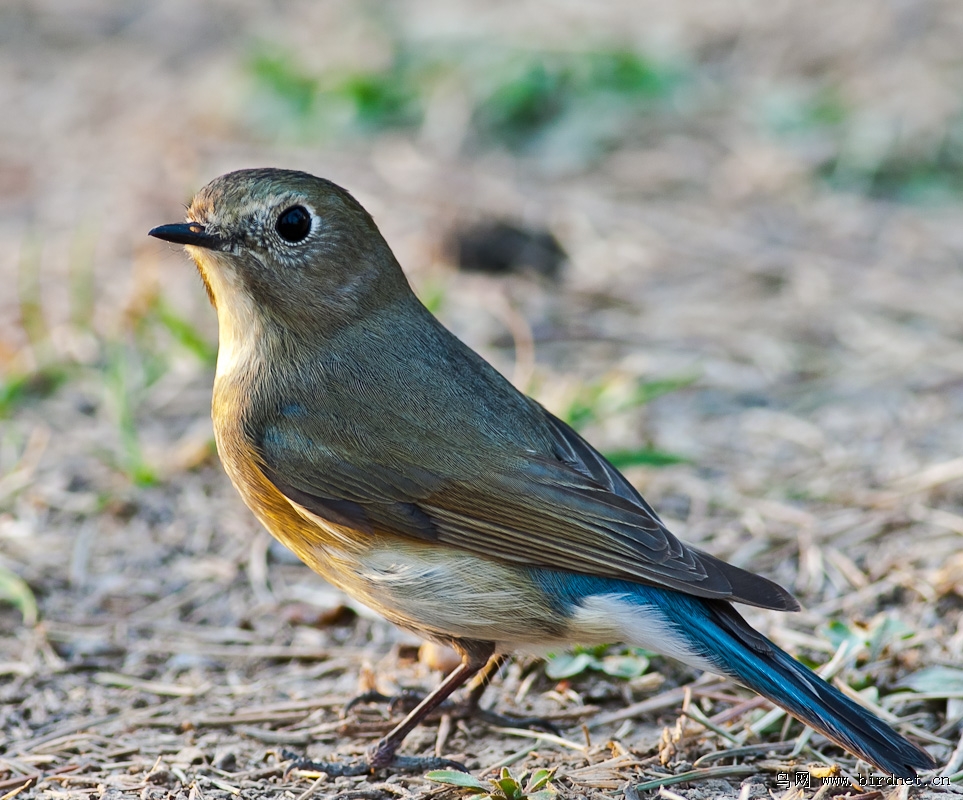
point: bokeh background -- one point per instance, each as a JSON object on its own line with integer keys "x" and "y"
{"x": 759, "y": 317}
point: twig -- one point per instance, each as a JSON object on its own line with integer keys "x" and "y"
{"x": 695, "y": 775}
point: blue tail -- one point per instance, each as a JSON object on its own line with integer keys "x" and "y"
{"x": 741, "y": 653}
{"x": 712, "y": 633}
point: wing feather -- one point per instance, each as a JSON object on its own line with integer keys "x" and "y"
{"x": 568, "y": 510}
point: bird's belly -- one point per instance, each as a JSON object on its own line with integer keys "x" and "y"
{"x": 441, "y": 593}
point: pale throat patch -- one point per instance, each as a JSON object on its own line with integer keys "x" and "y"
{"x": 238, "y": 323}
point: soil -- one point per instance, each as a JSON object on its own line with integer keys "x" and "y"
{"x": 808, "y": 338}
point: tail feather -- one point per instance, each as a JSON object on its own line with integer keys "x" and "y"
{"x": 710, "y": 634}
{"x": 760, "y": 665}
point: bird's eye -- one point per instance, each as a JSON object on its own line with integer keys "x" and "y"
{"x": 293, "y": 224}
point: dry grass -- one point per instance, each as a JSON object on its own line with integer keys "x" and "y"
{"x": 176, "y": 653}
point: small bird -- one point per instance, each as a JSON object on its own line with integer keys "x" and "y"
{"x": 401, "y": 467}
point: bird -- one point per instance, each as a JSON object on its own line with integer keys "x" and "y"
{"x": 405, "y": 470}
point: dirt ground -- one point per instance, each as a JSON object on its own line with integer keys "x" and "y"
{"x": 761, "y": 209}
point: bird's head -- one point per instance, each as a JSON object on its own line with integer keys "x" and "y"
{"x": 286, "y": 249}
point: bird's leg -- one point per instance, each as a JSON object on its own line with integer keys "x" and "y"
{"x": 407, "y": 700}
{"x": 477, "y": 687}
{"x": 475, "y": 656}
{"x": 482, "y": 678}
{"x": 382, "y": 754}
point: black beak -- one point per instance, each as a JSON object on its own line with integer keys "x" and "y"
{"x": 187, "y": 233}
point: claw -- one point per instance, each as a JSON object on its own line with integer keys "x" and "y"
{"x": 371, "y": 696}
{"x": 369, "y": 763}
{"x": 407, "y": 699}
{"x": 425, "y": 764}
{"x": 333, "y": 769}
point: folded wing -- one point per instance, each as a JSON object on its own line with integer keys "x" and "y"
{"x": 568, "y": 510}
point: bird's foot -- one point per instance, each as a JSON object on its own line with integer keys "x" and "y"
{"x": 405, "y": 701}
{"x": 377, "y": 758}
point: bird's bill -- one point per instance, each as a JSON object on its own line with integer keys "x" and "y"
{"x": 187, "y": 233}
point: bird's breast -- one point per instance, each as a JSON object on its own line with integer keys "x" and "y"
{"x": 437, "y": 591}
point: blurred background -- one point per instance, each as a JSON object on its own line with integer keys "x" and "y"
{"x": 721, "y": 239}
